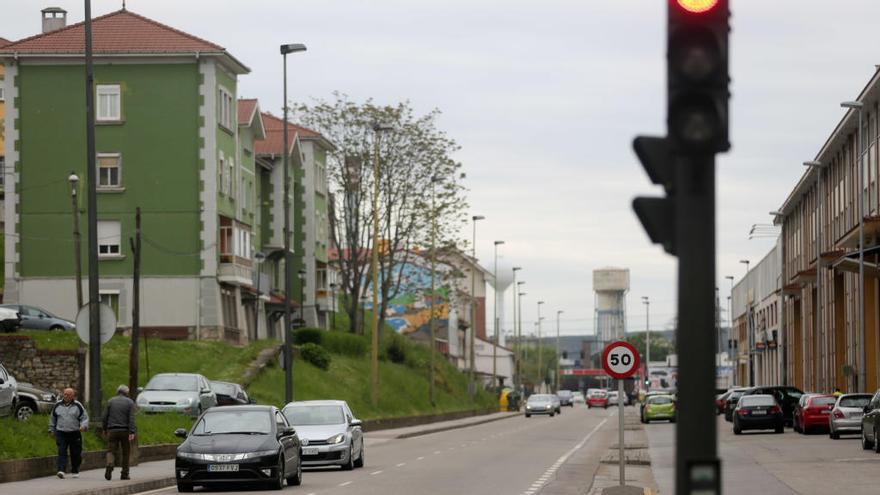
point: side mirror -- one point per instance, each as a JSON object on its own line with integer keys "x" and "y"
{"x": 866, "y": 409}
{"x": 180, "y": 432}
{"x": 286, "y": 431}
{"x": 356, "y": 422}
{"x": 2, "y": 381}
{"x": 206, "y": 391}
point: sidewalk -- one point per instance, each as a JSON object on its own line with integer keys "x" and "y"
{"x": 160, "y": 474}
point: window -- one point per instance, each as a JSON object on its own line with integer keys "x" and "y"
{"x": 2, "y": 169}
{"x": 109, "y": 236}
{"x": 222, "y": 169}
{"x": 109, "y": 170}
{"x": 2, "y": 95}
{"x": 109, "y": 103}
{"x": 230, "y": 173}
{"x": 225, "y": 108}
{"x": 110, "y": 299}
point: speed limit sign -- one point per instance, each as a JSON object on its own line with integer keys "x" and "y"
{"x": 620, "y": 359}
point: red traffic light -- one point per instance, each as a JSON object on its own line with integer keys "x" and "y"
{"x": 697, "y": 6}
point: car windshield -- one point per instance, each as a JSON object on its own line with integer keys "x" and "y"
{"x": 735, "y": 395}
{"x": 757, "y": 400}
{"x": 564, "y": 393}
{"x": 823, "y": 401}
{"x": 185, "y": 383}
{"x": 539, "y": 398}
{"x": 227, "y": 421}
{"x": 314, "y": 415}
{"x": 660, "y": 399}
{"x": 223, "y": 388}
{"x": 855, "y": 401}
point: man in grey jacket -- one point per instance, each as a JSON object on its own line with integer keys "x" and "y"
{"x": 119, "y": 430}
{"x": 67, "y": 420}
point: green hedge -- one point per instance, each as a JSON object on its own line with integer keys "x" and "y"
{"x": 308, "y": 336}
{"x": 315, "y": 354}
{"x": 345, "y": 343}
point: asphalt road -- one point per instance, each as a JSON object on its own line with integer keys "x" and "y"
{"x": 777, "y": 464}
{"x": 511, "y": 456}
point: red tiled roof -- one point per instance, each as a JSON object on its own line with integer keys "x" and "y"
{"x": 274, "y": 123}
{"x": 246, "y": 110}
{"x": 117, "y": 32}
{"x": 274, "y": 142}
{"x": 4, "y": 42}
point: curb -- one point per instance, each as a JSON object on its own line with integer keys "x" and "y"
{"x": 131, "y": 488}
{"x": 453, "y": 427}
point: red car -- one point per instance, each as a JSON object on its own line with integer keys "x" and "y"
{"x": 812, "y": 412}
{"x": 599, "y": 398}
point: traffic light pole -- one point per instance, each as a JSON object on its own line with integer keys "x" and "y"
{"x": 696, "y": 462}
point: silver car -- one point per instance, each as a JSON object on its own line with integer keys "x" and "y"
{"x": 185, "y": 393}
{"x": 8, "y": 392}
{"x": 846, "y": 415}
{"x": 33, "y": 400}
{"x": 36, "y": 318}
{"x": 329, "y": 432}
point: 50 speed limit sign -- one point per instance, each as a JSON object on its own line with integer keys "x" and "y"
{"x": 620, "y": 359}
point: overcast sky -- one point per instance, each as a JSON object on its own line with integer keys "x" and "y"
{"x": 545, "y": 98}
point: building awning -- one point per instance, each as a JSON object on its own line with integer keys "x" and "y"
{"x": 850, "y": 240}
{"x": 805, "y": 276}
{"x": 851, "y": 265}
{"x": 792, "y": 289}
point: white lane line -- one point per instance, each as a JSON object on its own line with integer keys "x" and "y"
{"x": 401, "y": 464}
{"x": 374, "y": 473}
{"x": 346, "y": 483}
{"x": 436, "y": 452}
{"x": 542, "y": 481}
{"x": 154, "y": 491}
{"x": 420, "y": 458}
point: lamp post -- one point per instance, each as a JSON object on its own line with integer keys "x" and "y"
{"x": 378, "y": 129}
{"x": 301, "y": 274}
{"x": 516, "y": 339}
{"x": 495, "y": 317}
{"x": 433, "y": 320}
{"x": 73, "y": 179}
{"x": 820, "y": 324}
{"x": 258, "y": 260}
{"x": 539, "y": 349}
{"x": 557, "y": 348}
{"x": 472, "y": 339}
{"x": 519, "y": 321}
{"x": 749, "y": 379}
{"x": 729, "y": 317}
{"x": 857, "y": 105}
{"x": 647, "y": 302}
{"x": 288, "y": 354}
{"x": 333, "y": 305}
{"x": 517, "y": 328}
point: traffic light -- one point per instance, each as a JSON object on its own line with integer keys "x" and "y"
{"x": 697, "y": 75}
{"x": 657, "y": 214}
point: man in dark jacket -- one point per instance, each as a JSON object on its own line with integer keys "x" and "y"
{"x": 67, "y": 421}
{"x": 119, "y": 430}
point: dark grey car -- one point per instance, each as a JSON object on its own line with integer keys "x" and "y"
{"x": 35, "y": 318}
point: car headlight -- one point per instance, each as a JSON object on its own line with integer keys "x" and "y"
{"x": 142, "y": 401}
{"x": 184, "y": 402}
{"x": 191, "y": 455}
{"x": 547, "y": 406}
{"x": 48, "y": 397}
{"x": 337, "y": 439}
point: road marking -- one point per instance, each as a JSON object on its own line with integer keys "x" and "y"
{"x": 436, "y": 452}
{"x": 346, "y": 483}
{"x": 551, "y": 471}
{"x": 420, "y": 458}
{"x": 376, "y": 472}
{"x": 401, "y": 464}
{"x": 155, "y": 491}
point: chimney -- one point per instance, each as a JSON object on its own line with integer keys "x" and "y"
{"x": 54, "y": 18}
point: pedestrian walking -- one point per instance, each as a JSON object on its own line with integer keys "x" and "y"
{"x": 67, "y": 421}
{"x": 119, "y": 431}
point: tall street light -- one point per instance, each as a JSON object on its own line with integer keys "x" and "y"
{"x": 472, "y": 339}
{"x": 288, "y": 354}
{"x": 434, "y": 181}
{"x": 258, "y": 259}
{"x": 539, "y": 349}
{"x": 515, "y": 337}
{"x": 818, "y": 336}
{"x": 857, "y": 105}
{"x": 647, "y": 302}
{"x": 517, "y": 328}
{"x": 729, "y": 316}
{"x": 519, "y": 318}
{"x": 378, "y": 129}
{"x": 557, "y": 348}
{"x": 73, "y": 179}
{"x": 749, "y": 378}
{"x": 495, "y": 317}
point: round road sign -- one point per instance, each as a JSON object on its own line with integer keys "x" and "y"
{"x": 620, "y": 359}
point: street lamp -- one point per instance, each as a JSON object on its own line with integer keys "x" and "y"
{"x": 647, "y": 302}
{"x": 557, "y": 348}
{"x": 378, "y": 129}
{"x": 288, "y": 354}
{"x": 749, "y": 378}
{"x": 473, "y": 383}
{"x": 301, "y": 274}
{"x": 515, "y": 337}
{"x": 258, "y": 259}
{"x": 818, "y": 334}
{"x": 540, "y": 353}
{"x": 495, "y": 317}
{"x": 730, "y": 320}
{"x": 857, "y": 105}
{"x": 73, "y": 179}
{"x": 332, "y": 305}
{"x": 434, "y": 180}
{"x": 519, "y": 318}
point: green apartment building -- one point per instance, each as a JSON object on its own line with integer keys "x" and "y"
{"x": 173, "y": 139}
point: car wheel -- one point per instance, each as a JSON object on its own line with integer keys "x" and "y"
{"x": 24, "y": 410}
{"x": 528, "y": 415}
{"x": 297, "y": 478}
{"x": 56, "y": 328}
{"x": 866, "y": 445}
{"x": 737, "y": 430}
{"x": 184, "y": 487}
{"x": 552, "y": 414}
{"x": 834, "y": 435}
{"x": 348, "y": 466}
{"x": 780, "y": 429}
{"x": 359, "y": 463}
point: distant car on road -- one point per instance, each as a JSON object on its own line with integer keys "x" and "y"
{"x": 10, "y": 320}
{"x": 230, "y": 394}
{"x": 329, "y": 432}
{"x": 36, "y": 318}
{"x": 33, "y": 400}
{"x": 540, "y": 404}
{"x": 846, "y": 416}
{"x": 238, "y": 444}
{"x": 731, "y": 401}
{"x": 758, "y": 412}
{"x": 185, "y": 393}
{"x": 577, "y": 397}
{"x": 659, "y": 407}
{"x": 613, "y": 397}
{"x": 786, "y": 397}
{"x": 565, "y": 398}
{"x": 598, "y": 398}
{"x": 812, "y": 412}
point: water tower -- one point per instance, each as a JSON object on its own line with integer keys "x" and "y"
{"x": 610, "y": 285}
{"x": 505, "y": 279}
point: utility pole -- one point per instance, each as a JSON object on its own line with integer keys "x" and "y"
{"x": 540, "y": 350}
{"x": 495, "y": 318}
{"x": 557, "y": 348}
{"x": 472, "y": 384}
{"x": 374, "y": 267}
{"x": 434, "y": 180}
{"x": 647, "y": 303}
{"x": 133, "y": 355}
{"x": 516, "y": 356}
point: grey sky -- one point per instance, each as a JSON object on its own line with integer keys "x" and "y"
{"x": 545, "y": 98}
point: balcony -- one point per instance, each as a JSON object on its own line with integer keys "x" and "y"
{"x": 235, "y": 270}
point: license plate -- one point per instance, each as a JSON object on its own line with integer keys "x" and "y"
{"x": 310, "y": 451}
{"x": 222, "y": 468}
{"x": 759, "y": 413}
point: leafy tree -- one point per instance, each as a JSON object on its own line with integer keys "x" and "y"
{"x": 660, "y": 346}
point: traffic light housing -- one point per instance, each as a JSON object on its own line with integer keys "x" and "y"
{"x": 657, "y": 214}
{"x": 697, "y": 75}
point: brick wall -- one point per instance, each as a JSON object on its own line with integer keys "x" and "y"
{"x": 51, "y": 369}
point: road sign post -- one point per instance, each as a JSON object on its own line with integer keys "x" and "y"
{"x": 620, "y": 360}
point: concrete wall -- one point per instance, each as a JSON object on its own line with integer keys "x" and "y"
{"x": 54, "y": 370}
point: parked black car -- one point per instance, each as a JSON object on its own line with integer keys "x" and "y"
{"x": 786, "y": 397}
{"x": 757, "y": 412}
{"x": 230, "y": 394}
{"x": 239, "y": 444}
{"x": 730, "y": 402}
{"x": 871, "y": 424}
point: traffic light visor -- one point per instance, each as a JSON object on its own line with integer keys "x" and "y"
{"x": 697, "y": 6}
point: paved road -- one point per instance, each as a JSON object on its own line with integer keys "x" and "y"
{"x": 512, "y": 456}
{"x": 772, "y": 464}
